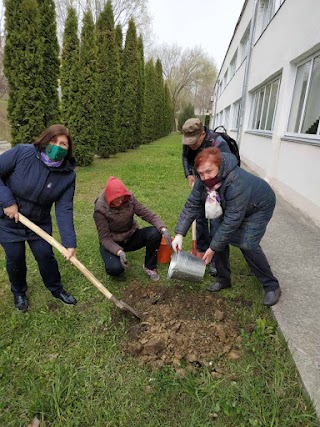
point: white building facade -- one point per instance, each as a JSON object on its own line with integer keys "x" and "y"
{"x": 267, "y": 96}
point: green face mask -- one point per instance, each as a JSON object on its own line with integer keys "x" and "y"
{"x": 54, "y": 152}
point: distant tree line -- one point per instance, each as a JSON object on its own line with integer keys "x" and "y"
{"x": 110, "y": 99}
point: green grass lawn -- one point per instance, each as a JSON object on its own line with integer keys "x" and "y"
{"x": 66, "y": 366}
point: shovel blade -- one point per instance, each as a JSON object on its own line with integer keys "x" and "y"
{"x": 125, "y": 306}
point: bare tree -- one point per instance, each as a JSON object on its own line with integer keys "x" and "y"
{"x": 123, "y": 11}
{"x": 190, "y": 74}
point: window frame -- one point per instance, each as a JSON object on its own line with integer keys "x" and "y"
{"x": 244, "y": 43}
{"x": 235, "y": 121}
{"x": 300, "y": 135}
{"x": 260, "y": 107}
{"x": 267, "y": 9}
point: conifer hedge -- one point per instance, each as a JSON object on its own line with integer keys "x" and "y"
{"x": 23, "y": 64}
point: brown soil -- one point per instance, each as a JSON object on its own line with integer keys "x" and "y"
{"x": 184, "y": 330}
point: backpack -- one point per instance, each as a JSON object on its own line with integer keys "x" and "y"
{"x": 233, "y": 146}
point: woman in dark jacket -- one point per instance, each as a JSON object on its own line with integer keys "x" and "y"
{"x": 242, "y": 205}
{"x": 32, "y": 178}
{"x": 119, "y": 232}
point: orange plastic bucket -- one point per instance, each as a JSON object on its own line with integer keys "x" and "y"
{"x": 164, "y": 252}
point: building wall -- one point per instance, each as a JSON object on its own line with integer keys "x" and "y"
{"x": 289, "y": 162}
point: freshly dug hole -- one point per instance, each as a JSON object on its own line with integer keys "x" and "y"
{"x": 180, "y": 329}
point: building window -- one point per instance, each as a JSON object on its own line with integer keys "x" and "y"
{"x": 225, "y": 80}
{"x": 305, "y": 108}
{"x": 226, "y": 115}
{"x": 266, "y": 11}
{"x": 264, "y": 106}
{"x": 244, "y": 44}
{"x": 233, "y": 65}
{"x": 236, "y": 115}
{"x": 218, "y": 119}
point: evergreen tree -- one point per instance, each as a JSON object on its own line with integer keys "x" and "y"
{"x": 185, "y": 114}
{"x": 51, "y": 62}
{"x": 108, "y": 84}
{"x": 119, "y": 38}
{"x": 149, "y": 117}
{"x": 140, "y": 89}
{"x": 159, "y": 101}
{"x": 70, "y": 72}
{"x": 85, "y": 137}
{"x": 130, "y": 72}
{"x": 23, "y": 64}
{"x": 168, "y": 111}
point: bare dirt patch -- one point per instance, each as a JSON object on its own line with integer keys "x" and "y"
{"x": 185, "y": 330}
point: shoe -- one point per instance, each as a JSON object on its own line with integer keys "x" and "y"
{"x": 66, "y": 298}
{"x": 213, "y": 270}
{"x": 217, "y": 286}
{"x": 153, "y": 274}
{"x": 21, "y": 303}
{"x": 271, "y": 297}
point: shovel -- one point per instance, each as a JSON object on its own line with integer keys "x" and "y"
{"x": 194, "y": 238}
{"x": 120, "y": 304}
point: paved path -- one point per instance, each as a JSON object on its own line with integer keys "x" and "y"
{"x": 4, "y": 145}
{"x": 292, "y": 245}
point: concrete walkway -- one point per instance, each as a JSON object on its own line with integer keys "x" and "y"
{"x": 4, "y": 145}
{"x": 292, "y": 245}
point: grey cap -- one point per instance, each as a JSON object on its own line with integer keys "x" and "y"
{"x": 191, "y": 130}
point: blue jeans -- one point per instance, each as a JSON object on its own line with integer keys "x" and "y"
{"x": 148, "y": 237}
{"x": 17, "y": 268}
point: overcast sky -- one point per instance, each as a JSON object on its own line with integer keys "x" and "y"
{"x": 189, "y": 23}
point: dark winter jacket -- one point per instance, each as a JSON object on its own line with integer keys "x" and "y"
{"x": 116, "y": 225}
{"x": 212, "y": 139}
{"x": 34, "y": 187}
{"x": 247, "y": 202}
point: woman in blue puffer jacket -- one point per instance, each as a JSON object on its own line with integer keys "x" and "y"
{"x": 33, "y": 177}
{"x": 240, "y": 205}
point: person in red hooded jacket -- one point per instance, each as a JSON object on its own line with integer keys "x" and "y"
{"x": 119, "y": 232}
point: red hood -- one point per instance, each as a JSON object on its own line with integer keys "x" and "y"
{"x": 114, "y": 189}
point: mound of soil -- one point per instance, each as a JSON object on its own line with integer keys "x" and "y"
{"x": 185, "y": 330}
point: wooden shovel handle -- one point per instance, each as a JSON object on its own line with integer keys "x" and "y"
{"x": 53, "y": 242}
{"x": 194, "y": 230}
{"x": 194, "y": 238}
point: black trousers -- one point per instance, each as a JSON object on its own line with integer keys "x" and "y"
{"x": 204, "y": 235}
{"x": 148, "y": 237}
{"x": 17, "y": 268}
{"x": 257, "y": 262}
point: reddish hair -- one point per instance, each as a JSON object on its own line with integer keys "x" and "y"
{"x": 212, "y": 153}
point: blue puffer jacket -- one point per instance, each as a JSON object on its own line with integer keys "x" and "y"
{"x": 247, "y": 202}
{"x": 27, "y": 181}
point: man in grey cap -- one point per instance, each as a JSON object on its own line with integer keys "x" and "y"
{"x": 195, "y": 138}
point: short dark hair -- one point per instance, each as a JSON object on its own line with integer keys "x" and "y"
{"x": 211, "y": 153}
{"x": 51, "y": 134}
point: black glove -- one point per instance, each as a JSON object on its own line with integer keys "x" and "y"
{"x": 123, "y": 260}
{"x": 166, "y": 236}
